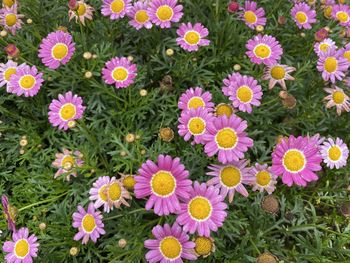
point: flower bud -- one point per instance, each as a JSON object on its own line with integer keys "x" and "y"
{"x": 12, "y": 50}
{"x": 233, "y": 7}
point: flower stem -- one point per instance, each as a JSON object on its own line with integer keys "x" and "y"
{"x": 42, "y": 202}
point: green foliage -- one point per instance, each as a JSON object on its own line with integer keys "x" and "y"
{"x": 308, "y": 228}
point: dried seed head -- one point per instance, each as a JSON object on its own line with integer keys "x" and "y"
{"x": 282, "y": 20}
{"x": 289, "y": 102}
{"x": 166, "y": 134}
{"x": 166, "y": 84}
{"x": 270, "y": 204}
{"x": 283, "y": 94}
{"x": 345, "y": 209}
{"x": 267, "y": 258}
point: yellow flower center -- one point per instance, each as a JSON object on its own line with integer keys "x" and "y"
{"x": 230, "y": 176}
{"x": 129, "y": 182}
{"x": 278, "y": 72}
{"x": 262, "y": 51}
{"x": 203, "y": 246}
{"x": 170, "y": 247}
{"x": 117, "y": 6}
{"x": 163, "y": 183}
{"x": 8, "y": 3}
{"x": 224, "y": 109}
{"x": 59, "y": 51}
{"x": 114, "y": 192}
{"x": 226, "y": 138}
{"x": 102, "y": 193}
{"x": 244, "y": 94}
{"x": 324, "y": 47}
{"x": 334, "y": 153}
{"x": 10, "y": 19}
{"x": 195, "y": 102}
{"x": 301, "y": 17}
{"x": 347, "y": 55}
{"x": 164, "y": 13}
{"x": 196, "y": 126}
{"x": 199, "y": 208}
{"x": 27, "y": 82}
{"x": 120, "y": 74}
{"x": 88, "y": 223}
{"x": 342, "y": 16}
{"x": 294, "y": 160}
{"x": 192, "y": 37}
{"x": 8, "y": 73}
{"x": 141, "y": 16}
{"x": 330, "y": 64}
{"x": 68, "y": 160}
{"x": 81, "y": 9}
{"x": 67, "y": 111}
{"x": 250, "y": 17}
{"x": 21, "y": 248}
{"x": 328, "y": 11}
{"x": 338, "y": 97}
{"x": 263, "y": 178}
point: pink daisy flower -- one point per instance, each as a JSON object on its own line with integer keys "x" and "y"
{"x": 332, "y": 65}
{"x": 165, "y": 183}
{"x": 323, "y": 46}
{"x": 120, "y": 72}
{"x": 109, "y": 193}
{"x": 253, "y": 16}
{"x": 9, "y": 213}
{"x": 341, "y": 13}
{"x": 83, "y": 12}
{"x": 89, "y": 224}
{"x": 194, "y": 98}
{"x": 317, "y": 140}
{"x": 193, "y": 122}
{"x": 334, "y": 153}
{"x": 26, "y": 81}
{"x": 56, "y": 49}
{"x": 265, "y": 179}
{"x": 230, "y": 178}
{"x": 10, "y": 19}
{"x": 226, "y": 136}
{"x": 6, "y": 71}
{"x": 191, "y": 37}
{"x": 296, "y": 160}
{"x": 228, "y": 82}
{"x": 115, "y": 9}
{"x": 139, "y": 16}
{"x": 163, "y": 12}
{"x": 337, "y": 98}
{"x": 264, "y": 49}
{"x": 245, "y": 92}
{"x": 278, "y": 74}
{"x": 345, "y": 52}
{"x": 22, "y": 248}
{"x": 64, "y": 111}
{"x": 203, "y": 211}
{"x": 172, "y": 244}
{"x": 67, "y": 163}
{"x": 303, "y": 15}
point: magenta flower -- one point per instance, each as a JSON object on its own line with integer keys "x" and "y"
{"x": 171, "y": 245}
{"x": 163, "y": 12}
{"x": 252, "y": 15}
{"x": 264, "y": 49}
{"x": 203, "y": 211}
{"x": 231, "y": 178}
{"x": 84, "y": 11}
{"x": 139, "y": 16}
{"x": 332, "y": 65}
{"x": 265, "y": 179}
{"x": 67, "y": 163}
{"x": 226, "y": 136}
{"x": 345, "y": 52}
{"x": 191, "y": 37}
{"x": 341, "y": 13}
{"x": 193, "y": 123}
{"x": 26, "y": 81}
{"x": 334, "y": 153}
{"x": 115, "y": 9}
{"x": 323, "y": 46}
{"x": 194, "y": 98}
{"x": 89, "y": 224}
{"x": 66, "y": 110}
{"x": 338, "y": 99}
{"x": 9, "y": 213}
{"x": 303, "y": 15}
{"x": 244, "y": 92}
{"x": 10, "y": 19}
{"x": 296, "y": 160}
{"x": 165, "y": 183}
{"x": 56, "y": 49}
{"x": 120, "y": 72}
{"x": 6, "y": 71}
{"x": 229, "y": 81}
{"x": 23, "y": 248}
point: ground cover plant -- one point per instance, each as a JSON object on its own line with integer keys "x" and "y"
{"x": 171, "y": 131}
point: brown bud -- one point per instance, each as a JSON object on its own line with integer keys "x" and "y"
{"x": 270, "y": 204}
{"x": 289, "y": 102}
